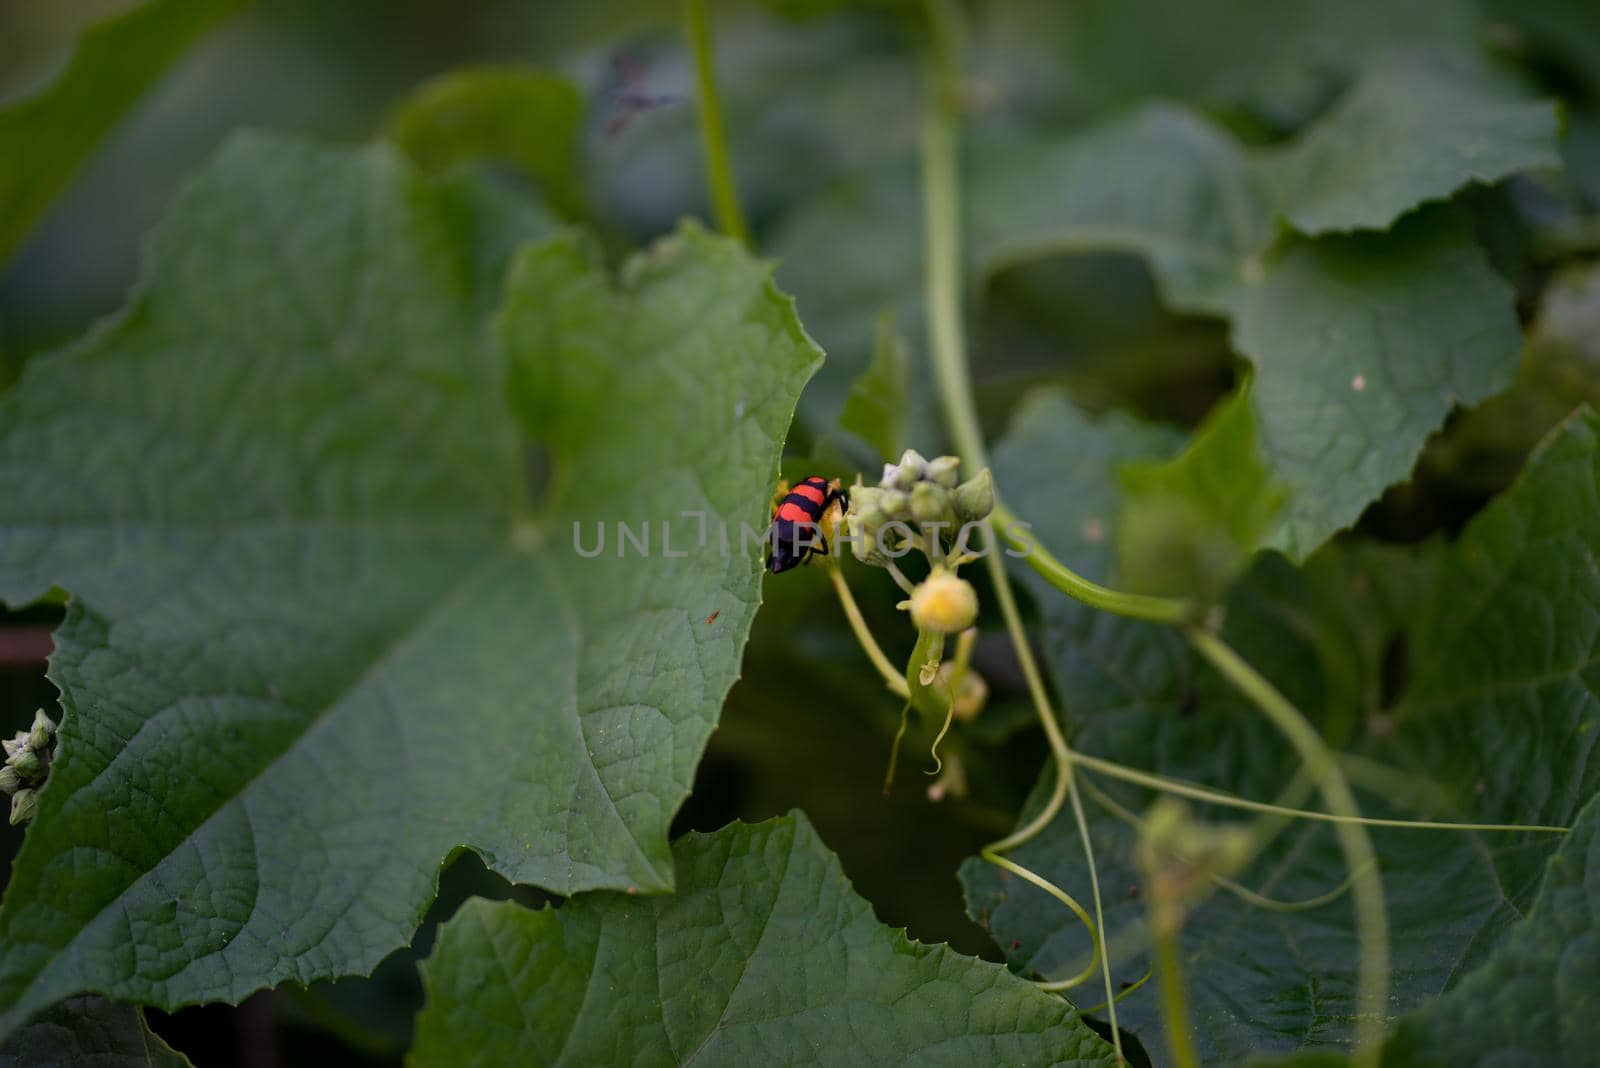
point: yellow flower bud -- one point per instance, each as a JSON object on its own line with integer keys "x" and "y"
{"x": 944, "y": 603}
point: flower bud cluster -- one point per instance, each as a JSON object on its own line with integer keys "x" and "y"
{"x": 917, "y": 492}
{"x": 28, "y": 756}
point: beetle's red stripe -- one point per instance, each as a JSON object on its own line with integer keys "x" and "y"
{"x": 795, "y": 512}
{"x": 815, "y": 494}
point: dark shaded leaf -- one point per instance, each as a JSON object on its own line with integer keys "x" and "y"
{"x": 89, "y": 1033}
{"x": 44, "y": 138}
{"x": 764, "y": 955}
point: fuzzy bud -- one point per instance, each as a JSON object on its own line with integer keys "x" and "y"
{"x": 974, "y": 498}
{"x": 944, "y": 603}
{"x": 27, "y": 764}
{"x": 1180, "y": 855}
{"x": 866, "y": 502}
{"x": 10, "y": 781}
{"x": 930, "y": 503}
{"x": 896, "y": 504}
{"x": 23, "y": 805}
{"x": 13, "y": 746}
{"x": 865, "y": 518}
{"x": 912, "y": 463}
{"x": 43, "y": 732}
{"x": 945, "y": 470}
{"x": 898, "y": 478}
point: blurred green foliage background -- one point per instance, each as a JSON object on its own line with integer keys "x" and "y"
{"x": 822, "y": 106}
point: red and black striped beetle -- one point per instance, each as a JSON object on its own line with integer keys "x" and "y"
{"x": 795, "y": 534}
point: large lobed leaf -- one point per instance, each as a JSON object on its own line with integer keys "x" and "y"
{"x": 1535, "y": 1001}
{"x": 1362, "y": 343}
{"x": 516, "y": 115}
{"x": 319, "y": 637}
{"x": 89, "y": 1032}
{"x": 1269, "y": 62}
{"x": 1494, "y": 639}
{"x": 46, "y": 137}
{"x": 1188, "y": 525}
{"x": 1402, "y": 136}
{"x": 765, "y": 955}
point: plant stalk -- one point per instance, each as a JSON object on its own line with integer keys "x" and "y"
{"x": 1173, "y": 610}
{"x": 713, "y": 137}
{"x": 942, "y": 280}
{"x": 858, "y": 624}
{"x": 1174, "y": 1001}
{"x": 1372, "y": 924}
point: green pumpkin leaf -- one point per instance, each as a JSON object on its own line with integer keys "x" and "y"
{"x": 1362, "y": 345}
{"x": 90, "y": 1033}
{"x": 847, "y": 256}
{"x": 321, "y": 635}
{"x": 1189, "y": 525}
{"x": 1161, "y": 182}
{"x": 1271, "y": 63}
{"x": 1405, "y": 135}
{"x": 524, "y": 117}
{"x": 876, "y": 406}
{"x": 1533, "y": 1002}
{"x": 45, "y": 138}
{"x": 1456, "y": 677}
{"x": 764, "y": 955}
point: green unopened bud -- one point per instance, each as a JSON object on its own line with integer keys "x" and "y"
{"x": 10, "y": 781}
{"x": 1181, "y": 855}
{"x": 944, "y": 603}
{"x": 864, "y": 499}
{"x": 896, "y": 504}
{"x": 898, "y": 478}
{"x": 27, "y": 763}
{"x": 43, "y": 732}
{"x": 13, "y": 746}
{"x": 865, "y": 518}
{"x": 974, "y": 498}
{"x": 866, "y": 508}
{"x": 23, "y": 805}
{"x": 912, "y": 463}
{"x": 864, "y": 542}
{"x": 931, "y": 504}
{"x": 945, "y": 470}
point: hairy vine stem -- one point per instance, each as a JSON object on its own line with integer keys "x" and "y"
{"x": 713, "y": 139}
{"x": 1174, "y": 1003}
{"x": 1372, "y": 923}
{"x": 1179, "y": 788}
{"x": 894, "y": 680}
{"x": 1074, "y": 585}
{"x": 944, "y": 291}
